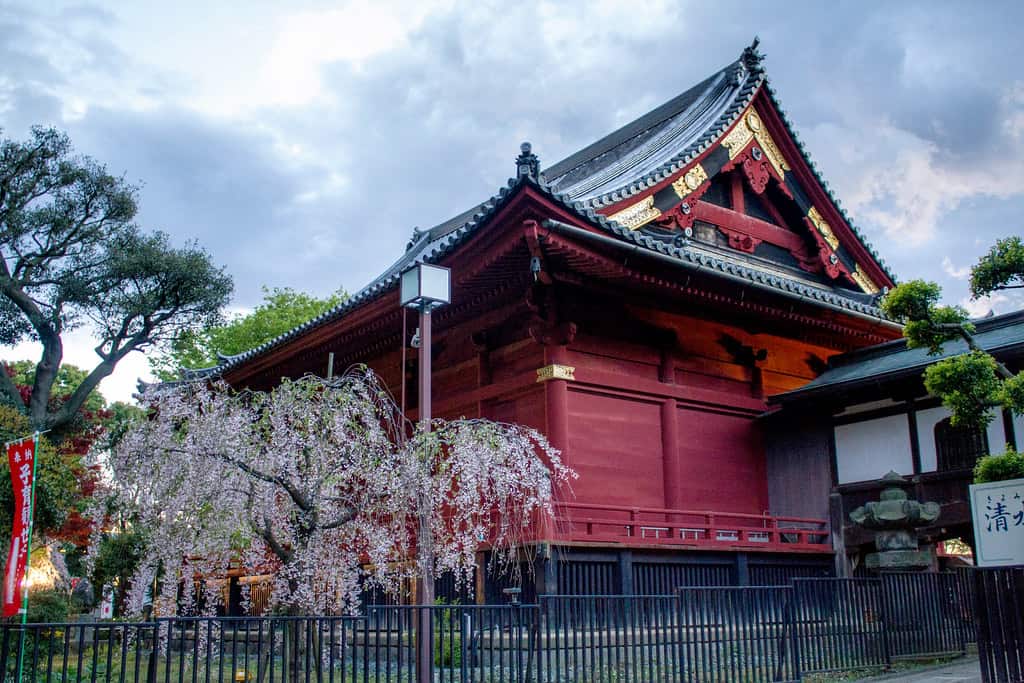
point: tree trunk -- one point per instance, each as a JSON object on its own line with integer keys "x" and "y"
{"x": 293, "y": 641}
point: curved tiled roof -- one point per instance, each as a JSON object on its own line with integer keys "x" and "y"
{"x": 643, "y": 152}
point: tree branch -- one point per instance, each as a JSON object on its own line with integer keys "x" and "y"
{"x": 296, "y": 495}
{"x": 959, "y": 329}
{"x": 10, "y": 390}
{"x": 71, "y": 406}
{"x": 344, "y": 518}
{"x": 267, "y": 534}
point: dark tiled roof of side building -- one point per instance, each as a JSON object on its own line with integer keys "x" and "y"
{"x": 1002, "y": 334}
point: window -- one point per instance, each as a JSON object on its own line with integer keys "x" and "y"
{"x": 958, "y": 448}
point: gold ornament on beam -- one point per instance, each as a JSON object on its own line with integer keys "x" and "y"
{"x": 632, "y": 217}
{"x": 737, "y": 138}
{"x": 693, "y": 179}
{"x": 823, "y": 227}
{"x": 864, "y": 281}
{"x": 771, "y": 150}
{"x": 556, "y": 371}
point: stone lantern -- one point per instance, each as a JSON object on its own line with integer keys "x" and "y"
{"x": 893, "y": 519}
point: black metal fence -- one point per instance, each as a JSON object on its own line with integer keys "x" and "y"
{"x": 750, "y": 634}
{"x": 999, "y": 604}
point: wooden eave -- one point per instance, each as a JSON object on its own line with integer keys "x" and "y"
{"x": 491, "y": 269}
{"x": 633, "y": 276}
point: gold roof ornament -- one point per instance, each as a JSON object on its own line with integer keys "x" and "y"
{"x": 632, "y": 217}
{"x": 693, "y": 179}
{"x": 823, "y": 227}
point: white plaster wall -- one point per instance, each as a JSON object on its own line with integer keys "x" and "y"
{"x": 997, "y": 438}
{"x": 1018, "y": 431}
{"x": 868, "y": 450}
{"x": 926, "y": 421}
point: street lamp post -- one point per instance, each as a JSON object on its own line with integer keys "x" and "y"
{"x": 425, "y": 287}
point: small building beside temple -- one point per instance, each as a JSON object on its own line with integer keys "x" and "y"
{"x": 870, "y": 412}
{"x": 639, "y": 302}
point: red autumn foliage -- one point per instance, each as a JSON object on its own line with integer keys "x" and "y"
{"x": 87, "y": 428}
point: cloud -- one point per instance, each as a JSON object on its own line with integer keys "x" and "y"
{"x": 309, "y": 40}
{"x": 300, "y": 144}
{"x": 78, "y": 351}
{"x": 957, "y": 273}
{"x": 984, "y": 306}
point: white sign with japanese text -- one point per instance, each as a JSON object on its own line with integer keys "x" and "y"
{"x": 998, "y": 511}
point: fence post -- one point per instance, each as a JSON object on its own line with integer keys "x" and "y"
{"x": 789, "y": 622}
{"x": 883, "y": 618}
{"x": 518, "y": 642}
{"x": 467, "y": 634}
{"x": 680, "y": 646}
{"x": 953, "y": 581}
{"x": 626, "y": 572}
{"x": 151, "y": 665}
{"x": 538, "y": 648}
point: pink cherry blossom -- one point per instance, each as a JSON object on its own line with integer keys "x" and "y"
{"x": 327, "y": 485}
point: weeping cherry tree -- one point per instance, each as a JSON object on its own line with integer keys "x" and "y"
{"x": 323, "y": 483}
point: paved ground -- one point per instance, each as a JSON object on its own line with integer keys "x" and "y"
{"x": 961, "y": 671}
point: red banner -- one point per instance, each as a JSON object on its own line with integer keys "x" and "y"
{"x": 20, "y": 458}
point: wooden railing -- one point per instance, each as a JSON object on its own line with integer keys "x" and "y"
{"x": 591, "y": 523}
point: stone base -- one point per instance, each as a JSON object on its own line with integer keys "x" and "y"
{"x": 897, "y": 560}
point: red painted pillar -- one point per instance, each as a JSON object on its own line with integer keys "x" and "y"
{"x": 671, "y": 470}
{"x": 671, "y": 467}
{"x": 556, "y": 394}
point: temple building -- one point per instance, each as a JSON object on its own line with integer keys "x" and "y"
{"x": 639, "y": 302}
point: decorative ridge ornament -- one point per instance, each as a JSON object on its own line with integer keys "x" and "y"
{"x": 415, "y": 237}
{"x": 527, "y": 163}
{"x": 752, "y": 58}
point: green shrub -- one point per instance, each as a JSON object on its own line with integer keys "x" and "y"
{"x": 449, "y": 652}
{"x": 48, "y": 607}
{"x": 1009, "y": 465}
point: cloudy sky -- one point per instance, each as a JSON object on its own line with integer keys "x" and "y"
{"x": 300, "y": 142}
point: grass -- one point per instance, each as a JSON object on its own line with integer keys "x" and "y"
{"x": 898, "y": 666}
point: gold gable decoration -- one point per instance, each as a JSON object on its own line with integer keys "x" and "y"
{"x": 690, "y": 181}
{"x": 636, "y": 215}
{"x": 823, "y": 227}
{"x": 864, "y": 281}
{"x": 750, "y": 127}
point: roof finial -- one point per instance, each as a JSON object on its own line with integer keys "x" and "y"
{"x": 527, "y": 163}
{"x": 416, "y": 234}
{"x": 752, "y": 58}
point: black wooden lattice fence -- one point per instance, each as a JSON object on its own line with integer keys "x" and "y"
{"x": 724, "y": 634}
{"x": 999, "y": 608}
